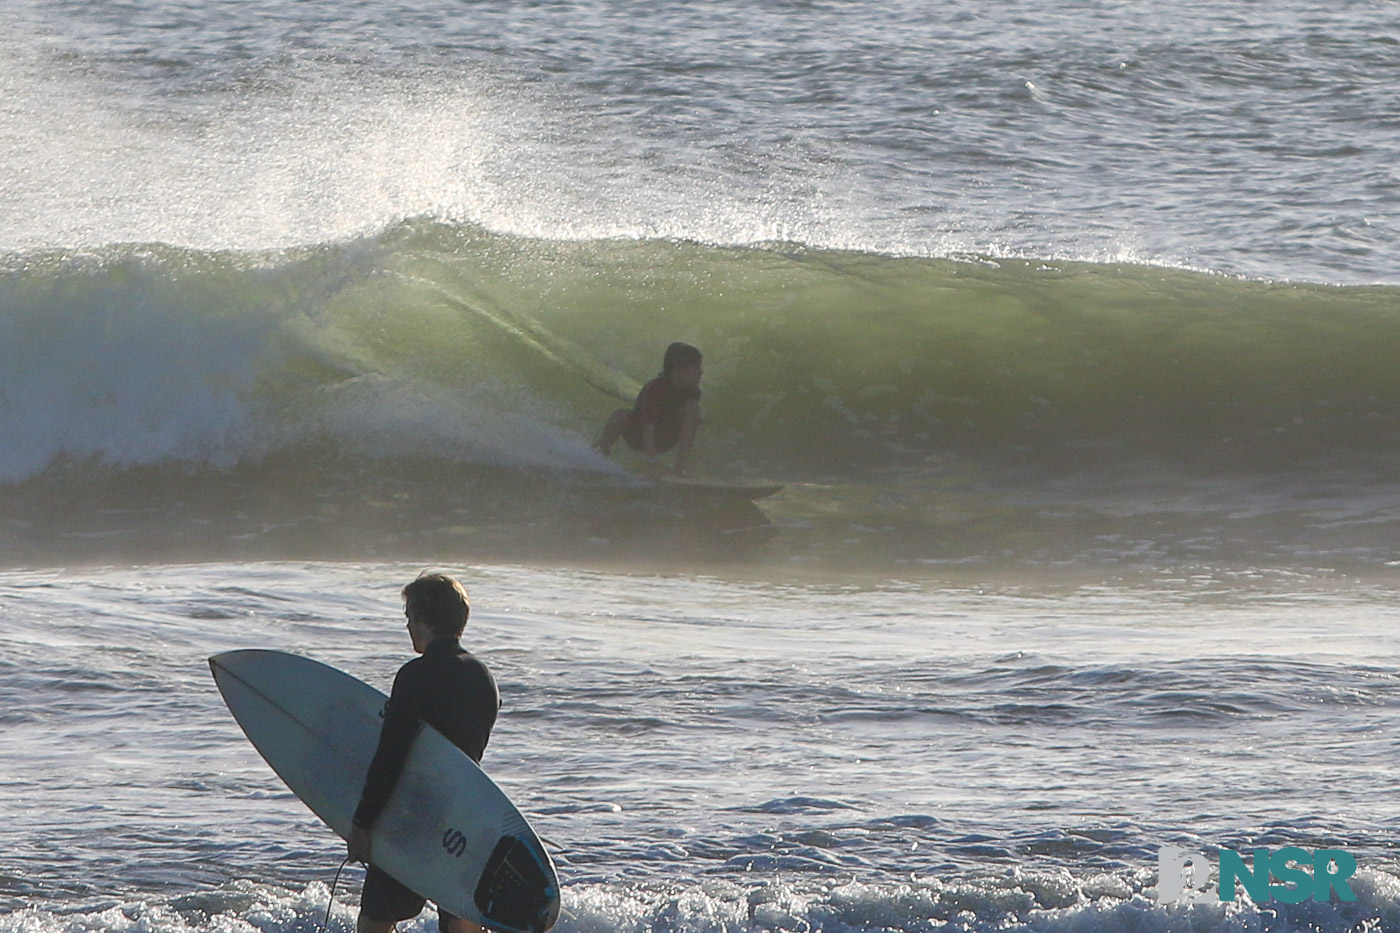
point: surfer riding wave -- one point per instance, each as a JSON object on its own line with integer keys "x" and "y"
{"x": 666, "y": 414}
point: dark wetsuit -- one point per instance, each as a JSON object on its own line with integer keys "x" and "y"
{"x": 661, "y": 403}
{"x": 454, "y": 693}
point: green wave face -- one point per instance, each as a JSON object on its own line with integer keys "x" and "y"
{"x": 839, "y": 363}
{"x": 317, "y": 382}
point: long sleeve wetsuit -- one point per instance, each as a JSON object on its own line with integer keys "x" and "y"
{"x": 449, "y": 690}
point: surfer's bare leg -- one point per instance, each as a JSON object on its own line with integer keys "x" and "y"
{"x": 366, "y": 925}
{"x": 612, "y": 430}
{"x": 453, "y": 925}
{"x": 458, "y": 925}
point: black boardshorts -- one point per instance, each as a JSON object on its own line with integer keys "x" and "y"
{"x": 387, "y": 901}
{"x": 668, "y": 434}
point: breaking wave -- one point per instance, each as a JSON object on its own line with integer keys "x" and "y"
{"x": 438, "y": 349}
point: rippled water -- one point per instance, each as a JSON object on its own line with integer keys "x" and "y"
{"x": 666, "y": 733}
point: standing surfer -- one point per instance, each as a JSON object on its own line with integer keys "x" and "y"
{"x": 448, "y": 689}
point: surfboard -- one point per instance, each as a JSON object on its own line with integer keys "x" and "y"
{"x": 448, "y": 832}
{"x": 716, "y": 489}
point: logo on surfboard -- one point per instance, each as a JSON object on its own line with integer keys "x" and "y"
{"x": 454, "y": 842}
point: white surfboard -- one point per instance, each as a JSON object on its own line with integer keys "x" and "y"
{"x": 448, "y": 832}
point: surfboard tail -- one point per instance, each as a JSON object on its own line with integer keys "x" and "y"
{"x": 516, "y": 890}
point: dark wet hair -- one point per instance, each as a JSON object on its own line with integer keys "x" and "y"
{"x": 439, "y": 602}
{"x": 680, "y": 354}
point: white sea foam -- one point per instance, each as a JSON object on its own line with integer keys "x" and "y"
{"x": 976, "y": 906}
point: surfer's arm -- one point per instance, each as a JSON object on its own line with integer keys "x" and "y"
{"x": 402, "y": 720}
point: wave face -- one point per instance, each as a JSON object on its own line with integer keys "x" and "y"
{"x": 451, "y": 346}
{"x": 454, "y": 341}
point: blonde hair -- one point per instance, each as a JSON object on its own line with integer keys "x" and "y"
{"x": 439, "y": 602}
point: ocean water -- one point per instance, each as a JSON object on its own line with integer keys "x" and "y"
{"x": 708, "y": 754}
{"x": 1069, "y": 331}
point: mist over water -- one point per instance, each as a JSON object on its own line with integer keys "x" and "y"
{"x": 1241, "y": 141}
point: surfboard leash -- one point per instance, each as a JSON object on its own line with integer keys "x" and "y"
{"x": 326, "y": 924}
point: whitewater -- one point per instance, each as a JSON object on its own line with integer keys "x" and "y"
{"x": 1070, "y": 332}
